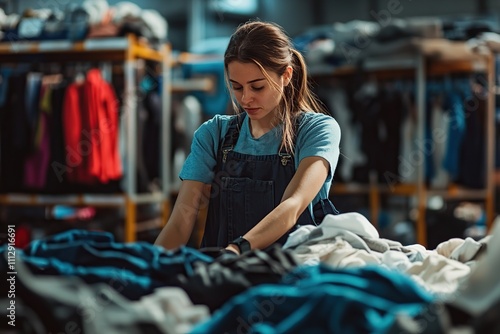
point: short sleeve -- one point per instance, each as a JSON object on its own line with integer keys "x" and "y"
{"x": 201, "y": 161}
{"x": 319, "y": 135}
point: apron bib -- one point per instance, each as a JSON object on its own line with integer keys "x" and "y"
{"x": 246, "y": 188}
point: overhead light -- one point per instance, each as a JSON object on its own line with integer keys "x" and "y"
{"x": 240, "y": 7}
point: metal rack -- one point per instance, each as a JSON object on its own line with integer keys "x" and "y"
{"x": 127, "y": 51}
{"x": 428, "y": 57}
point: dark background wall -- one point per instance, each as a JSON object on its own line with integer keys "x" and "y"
{"x": 192, "y": 20}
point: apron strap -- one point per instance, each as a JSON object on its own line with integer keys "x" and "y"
{"x": 231, "y": 137}
{"x": 284, "y": 154}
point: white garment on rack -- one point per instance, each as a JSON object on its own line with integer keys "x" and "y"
{"x": 440, "y": 121}
{"x": 350, "y": 145}
{"x": 410, "y": 155}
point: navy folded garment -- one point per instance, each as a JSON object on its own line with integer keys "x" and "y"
{"x": 62, "y": 304}
{"x": 133, "y": 269}
{"x": 213, "y": 284}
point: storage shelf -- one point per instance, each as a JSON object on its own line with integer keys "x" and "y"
{"x": 125, "y": 51}
{"x": 442, "y": 57}
{"x": 97, "y": 49}
{"x": 408, "y": 189}
{"x": 350, "y": 188}
{"x": 420, "y": 59}
{"x": 104, "y": 200}
{"x": 71, "y": 199}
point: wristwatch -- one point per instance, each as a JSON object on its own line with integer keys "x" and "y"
{"x": 242, "y": 244}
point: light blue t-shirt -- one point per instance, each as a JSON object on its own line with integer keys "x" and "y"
{"x": 318, "y": 135}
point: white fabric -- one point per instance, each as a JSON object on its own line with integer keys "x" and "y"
{"x": 438, "y": 274}
{"x": 322, "y": 233}
{"x": 350, "y": 226}
{"x": 96, "y": 9}
{"x": 443, "y": 271}
{"x": 350, "y": 257}
{"x": 157, "y": 23}
{"x": 337, "y": 242}
{"x": 408, "y": 153}
{"x": 482, "y": 288}
{"x": 336, "y": 251}
{"x": 440, "y": 122}
{"x": 350, "y": 146}
{"x": 353, "y": 222}
{"x": 459, "y": 249}
{"x": 300, "y": 235}
{"x": 125, "y": 9}
{"x": 489, "y": 40}
{"x": 3, "y": 17}
{"x": 174, "y": 305}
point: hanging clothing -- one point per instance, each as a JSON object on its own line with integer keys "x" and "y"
{"x": 56, "y": 178}
{"x": 456, "y": 131}
{"x": 90, "y": 119}
{"x": 37, "y": 163}
{"x": 72, "y": 122}
{"x": 14, "y": 134}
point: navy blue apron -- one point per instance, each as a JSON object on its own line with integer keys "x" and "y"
{"x": 246, "y": 188}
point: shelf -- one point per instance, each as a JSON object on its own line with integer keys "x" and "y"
{"x": 349, "y": 188}
{"x": 97, "y": 49}
{"x": 78, "y": 199}
{"x": 402, "y": 189}
{"x": 409, "y": 189}
{"x": 442, "y": 57}
{"x": 204, "y": 84}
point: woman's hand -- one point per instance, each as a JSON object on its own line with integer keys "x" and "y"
{"x": 233, "y": 248}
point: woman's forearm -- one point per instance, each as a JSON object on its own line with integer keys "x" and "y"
{"x": 274, "y": 225}
{"x": 180, "y": 225}
{"x": 171, "y": 237}
{"x": 304, "y": 186}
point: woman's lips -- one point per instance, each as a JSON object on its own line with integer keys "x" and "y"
{"x": 251, "y": 110}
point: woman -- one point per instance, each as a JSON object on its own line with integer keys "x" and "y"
{"x": 266, "y": 169}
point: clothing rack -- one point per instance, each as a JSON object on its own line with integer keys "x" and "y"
{"x": 429, "y": 58}
{"x": 126, "y": 51}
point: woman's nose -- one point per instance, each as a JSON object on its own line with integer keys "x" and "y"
{"x": 246, "y": 96}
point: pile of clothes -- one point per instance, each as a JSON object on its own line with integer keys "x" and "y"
{"x": 76, "y": 22}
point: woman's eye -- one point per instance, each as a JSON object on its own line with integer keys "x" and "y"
{"x": 237, "y": 88}
{"x": 257, "y": 88}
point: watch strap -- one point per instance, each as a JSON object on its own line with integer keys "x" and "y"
{"x": 242, "y": 244}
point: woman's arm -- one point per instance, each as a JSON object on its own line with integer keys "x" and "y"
{"x": 192, "y": 196}
{"x": 304, "y": 186}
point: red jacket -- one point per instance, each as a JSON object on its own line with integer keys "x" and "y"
{"x": 91, "y": 122}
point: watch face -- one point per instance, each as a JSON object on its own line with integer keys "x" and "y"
{"x": 242, "y": 244}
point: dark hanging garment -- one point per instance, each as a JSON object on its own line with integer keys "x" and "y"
{"x": 15, "y": 135}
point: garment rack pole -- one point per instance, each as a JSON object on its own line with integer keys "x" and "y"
{"x": 421, "y": 227}
{"x": 490, "y": 144}
{"x": 166, "y": 166}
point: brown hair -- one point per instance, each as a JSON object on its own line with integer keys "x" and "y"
{"x": 267, "y": 45}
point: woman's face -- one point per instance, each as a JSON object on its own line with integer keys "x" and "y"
{"x": 258, "y": 97}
